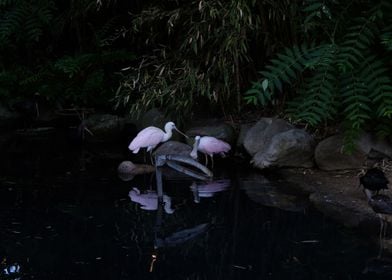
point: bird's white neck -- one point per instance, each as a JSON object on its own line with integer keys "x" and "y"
{"x": 193, "y": 154}
{"x": 167, "y": 135}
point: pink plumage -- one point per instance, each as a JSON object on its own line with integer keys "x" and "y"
{"x": 211, "y": 145}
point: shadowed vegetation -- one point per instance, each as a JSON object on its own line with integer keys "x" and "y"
{"x": 322, "y": 62}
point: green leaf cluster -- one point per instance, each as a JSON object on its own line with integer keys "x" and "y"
{"x": 192, "y": 56}
{"x": 24, "y": 21}
{"x": 346, "y": 78}
{"x": 61, "y": 50}
{"x": 77, "y": 80}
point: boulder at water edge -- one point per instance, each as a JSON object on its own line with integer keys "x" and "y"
{"x": 292, "y": 148}
{"x": 330, "y": 154}
{"x": 276, "y": 143}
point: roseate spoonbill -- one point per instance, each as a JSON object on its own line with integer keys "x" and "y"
{"x": 374, "y": 180}
{"x": 209, "y": 146}
{"x": 151, "y": 136}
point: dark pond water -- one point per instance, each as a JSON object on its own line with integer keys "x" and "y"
{"x": 66, "y": 215}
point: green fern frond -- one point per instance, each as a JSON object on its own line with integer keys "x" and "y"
{"x": 286, "y": 68}
{"x": 317, "y": 100}
{"x": 315, "y": 9}
{"x": 384, "y": 128}
{"x": 25, "y": 21}
{"x": 344, "y": 80}
{"x": 68, "y": 65}
{"x": 357, "y": 109}
{"x": 358, "y": 39}
{"x": 386, "y": 37}
{"x": 108, "y": 32}
{"x": 376, "y": 77}
{"x": 5, "y": 3}
{"x": 12, "y": 21}
{"x": 33, "y": 78}
{"x": 356, "y": 102}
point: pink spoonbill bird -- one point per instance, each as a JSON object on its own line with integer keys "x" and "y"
{"x": 151, "y": 136}
{"x": 209, "y": 146}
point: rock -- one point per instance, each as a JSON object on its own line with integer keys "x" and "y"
{"x": 172, "y": 147}
{"x": 127, "y": 170}
{"x": 337, "y": 196}
{"x": 374, "y": 147}
{"x": 175, "y": 148}
{"x": 220, "y": 130}
{"x": 267, "y": 193}
{"x": 258, "y": 137}
{"x": 244, "y": 128}
{"x": 153, "y": 117}
{"x": 105, "y": 127}
{"x": 329, "y": 155}
{"x": 292, "y": 148}
{"x": 349, "y": 211}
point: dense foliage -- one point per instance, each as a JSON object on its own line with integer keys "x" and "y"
{"x": 322, "y": 61}
{"x": 340, "y": 69}
{"x": 60, "y": 50}
{"x": 200, "y": 54}
{"x": 194, "y": 52}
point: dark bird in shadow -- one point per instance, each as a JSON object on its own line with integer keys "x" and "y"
{"x": 374, "y": 180}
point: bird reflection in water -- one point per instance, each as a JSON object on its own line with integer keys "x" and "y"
{"x": 374, "y": 181}
{"x": 149, "y": 200}
{"x": 382, "y": 205}
{"x": 208, "y": 189}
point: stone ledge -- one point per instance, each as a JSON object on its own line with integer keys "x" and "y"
{"x": 337, "y": 196}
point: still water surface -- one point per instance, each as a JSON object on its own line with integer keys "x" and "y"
{"x": 66, "y": 215}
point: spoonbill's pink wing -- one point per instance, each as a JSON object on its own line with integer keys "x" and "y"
{"x": 212, "y": 145}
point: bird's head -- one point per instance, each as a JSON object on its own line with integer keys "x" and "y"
{"x": 169, "y": 126}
